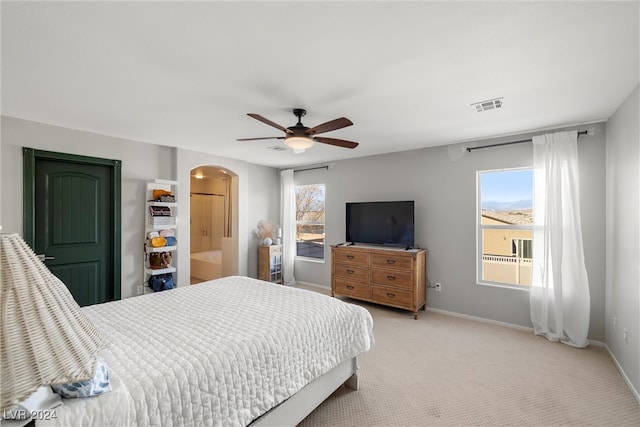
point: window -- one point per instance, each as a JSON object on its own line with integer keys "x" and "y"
{"x": 310, "y": 221}
{"x": 521, "y": 248}
{"x": 505, "y": 227}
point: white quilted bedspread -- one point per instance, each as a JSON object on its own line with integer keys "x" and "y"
{"x": 219, "y": 353}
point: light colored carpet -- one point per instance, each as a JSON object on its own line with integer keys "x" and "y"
{"x": 441, "y": 370}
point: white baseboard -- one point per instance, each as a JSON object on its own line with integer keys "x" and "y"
{"x": 315, "y": 285}
{"x": 480, "y": 319}
{"x": 623, "y": 374}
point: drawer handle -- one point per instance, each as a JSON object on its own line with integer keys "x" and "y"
{"x": 350, "y": 287}
{"x": 391, "y": 277}
{"x": 350, "y": 271}
{"x": 349, "y": 256}
{"x": 390, "y": 295}
{"x": 391, "y": 261}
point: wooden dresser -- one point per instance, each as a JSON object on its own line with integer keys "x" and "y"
{"x": 393, "y": 277}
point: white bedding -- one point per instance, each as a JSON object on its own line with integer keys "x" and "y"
{"x": 219, "y": 353}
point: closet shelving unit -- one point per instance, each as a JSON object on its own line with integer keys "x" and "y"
{"x": 166, "y": 185}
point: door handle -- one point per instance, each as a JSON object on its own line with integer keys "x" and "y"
{"x": 43, "y": 257}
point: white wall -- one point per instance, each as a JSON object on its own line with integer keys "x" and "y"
{"x": 623, "y": 236}
{"x": 265, "y": 193}
{"x": 444, "y": 192}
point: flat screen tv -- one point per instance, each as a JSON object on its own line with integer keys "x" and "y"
{"x": 380, "y": 223}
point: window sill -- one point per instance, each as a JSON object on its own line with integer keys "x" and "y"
{"x": 504, "y": 286}
{"x": 316, "y": 260}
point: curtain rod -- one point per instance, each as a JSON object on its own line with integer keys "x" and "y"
{"x": 311, "y": 169}
{"x": 470, "y": 149}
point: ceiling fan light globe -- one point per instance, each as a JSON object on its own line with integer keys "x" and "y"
{"x": 299, "y": 143}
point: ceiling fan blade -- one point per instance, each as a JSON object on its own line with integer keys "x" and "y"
{"x": 268, "y": 122}
{"x": 263, "y": 137}
{"x": 340, "y": 123}
{"x": 337, "y": 142}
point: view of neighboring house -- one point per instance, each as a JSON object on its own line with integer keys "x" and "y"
{"x": 506, "y": 252}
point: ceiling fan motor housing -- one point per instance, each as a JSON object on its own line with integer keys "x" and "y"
{"x": 298, "y": 131}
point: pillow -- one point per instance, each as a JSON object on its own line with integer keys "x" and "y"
{"x": 95, "y": 386}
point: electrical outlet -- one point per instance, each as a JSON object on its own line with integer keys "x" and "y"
{"x": 438, "y": 287}
{"x": 140, "y": 290}
{"x": 625, "y": 335}
{"x": 615, "y": 320}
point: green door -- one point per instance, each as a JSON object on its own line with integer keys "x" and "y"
{"x": 73, "y": 224}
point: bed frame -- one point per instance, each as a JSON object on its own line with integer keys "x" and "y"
{"x": 295, "y": 409}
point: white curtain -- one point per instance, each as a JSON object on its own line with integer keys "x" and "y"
{"x": 559, "y": 297}
{"x": 288, "y": 222}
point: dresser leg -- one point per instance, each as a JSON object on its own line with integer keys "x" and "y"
{"x": 415, "y": 315}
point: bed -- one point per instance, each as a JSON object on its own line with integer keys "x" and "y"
{"x": 233, "y": 351}
{"x": 206, "y": 265}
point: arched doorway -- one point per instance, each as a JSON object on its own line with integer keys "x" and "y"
{"x": 211, "y": 233}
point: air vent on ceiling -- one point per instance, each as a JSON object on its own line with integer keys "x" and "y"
{"x": 490, "y": 104}
{"x": 277, "y": 148}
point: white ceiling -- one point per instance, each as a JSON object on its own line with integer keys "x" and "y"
{"x": 186, "y": 73}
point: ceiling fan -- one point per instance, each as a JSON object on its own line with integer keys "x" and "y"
{"x": 300, "y": 137}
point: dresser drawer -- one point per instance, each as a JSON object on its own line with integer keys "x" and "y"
{"x": 394, "y": 297}
{"x": 352, "y": 272}
{"x": 275, "y": 250}
{"x": 350, "y": 257}
{"x": 394, "y": 261}
{"x": 396, "y": 278}
{"x": 351, "y": 288}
